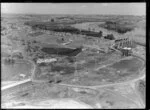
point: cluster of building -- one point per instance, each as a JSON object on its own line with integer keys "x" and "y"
{"x": 124, "y": 45}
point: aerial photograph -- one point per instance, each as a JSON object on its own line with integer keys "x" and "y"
{"x": 73, "y": 55}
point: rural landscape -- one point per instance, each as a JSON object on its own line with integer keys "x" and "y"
{"x": 73, "y": 61}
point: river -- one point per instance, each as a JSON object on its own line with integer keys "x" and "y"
{"x": 94, "y": 25}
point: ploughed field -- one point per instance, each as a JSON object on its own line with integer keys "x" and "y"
{"x": 61, "y": 51}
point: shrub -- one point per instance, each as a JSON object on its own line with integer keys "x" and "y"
{"x": 110, "y": 37}
{"x": 100, "y": 33}
{"x": 9, "y": 61}
{"x": 52, "y": 20}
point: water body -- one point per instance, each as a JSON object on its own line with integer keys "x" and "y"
{"x": 97, "y": 28}
{"x": 11, "y": 72}
{"x": 61, "y": 51}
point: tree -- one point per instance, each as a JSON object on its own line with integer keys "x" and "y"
{"x": 52, "y": 20}
{"x": 71, "y": 59}
{"x": 110, "y": 37}
{"x": 23, "y": 42}
{"x": 93, "y": 29}
{"x": 9, "y": 61}
{"x": 62, "y": 39}
{"x": 34, "y": 41}
{"x": 17, "y": 55}
{"x": 100, "y": 33}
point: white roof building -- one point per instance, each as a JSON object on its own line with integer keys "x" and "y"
{"x": 127, "y": 48}
{"x": 50, "y": 60}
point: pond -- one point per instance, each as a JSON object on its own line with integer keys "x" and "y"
{"x": 61, "y": 51}
{"x": 11, "y": 72}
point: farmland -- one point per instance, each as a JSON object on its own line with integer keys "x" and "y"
{"x": 86, "y": 69}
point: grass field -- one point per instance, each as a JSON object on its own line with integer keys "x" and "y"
{"x": 12, "y": 72}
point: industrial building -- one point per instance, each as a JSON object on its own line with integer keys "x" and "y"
{"x": 124, "y": 45}
{"x": 121, "y": 43}
{"x": 126, "y": 51}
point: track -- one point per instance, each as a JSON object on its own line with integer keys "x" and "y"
{"x": 15, "y": 84}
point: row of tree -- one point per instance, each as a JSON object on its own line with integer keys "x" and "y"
{"x": 9, "y": 61}
{"x": 68, "y": 29}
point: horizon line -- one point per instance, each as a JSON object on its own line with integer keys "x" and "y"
{"x": 70, "y": 14}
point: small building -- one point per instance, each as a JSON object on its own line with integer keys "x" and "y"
{"x": 50, "y": 60}
{"x": 22, "y": 75}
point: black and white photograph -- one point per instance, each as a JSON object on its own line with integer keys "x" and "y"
{"x": 73, "y": 55}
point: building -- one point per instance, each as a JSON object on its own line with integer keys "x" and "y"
{"x": 126, "y": 51}
{"x": 121, "y": 43}
{"x": 121, "y": 39}
{"x": 50, "y": 60}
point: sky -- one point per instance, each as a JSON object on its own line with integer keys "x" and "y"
{"x": 75, "y": 8}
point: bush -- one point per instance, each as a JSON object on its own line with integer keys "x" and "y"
{"x": 71, "y": 59}
{"x": 110, "y": 37}
{"x": 118, "y": 27}
{"x": 100, "y": 33}
{"x": 17, "y": 55}
{"x": 62, "y": 28}
{"x": 9, "y": 61}
{"x": 52, "y": 20}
